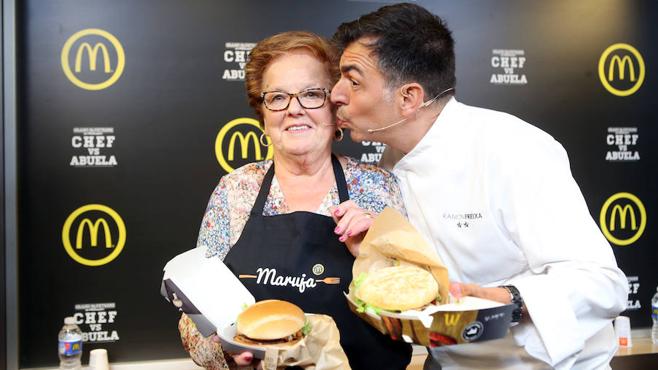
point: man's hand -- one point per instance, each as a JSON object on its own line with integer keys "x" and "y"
{"x": 496, "y": 294}
{"x": 352, "y": 223}
{"x": 459, "y": 290}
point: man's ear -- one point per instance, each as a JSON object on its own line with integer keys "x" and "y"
{"x": 412, "y": 97}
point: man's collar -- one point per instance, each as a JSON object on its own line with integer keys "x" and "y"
{"x": 392, "y": 157}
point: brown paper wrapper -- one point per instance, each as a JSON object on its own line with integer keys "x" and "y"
{"x": 391, "y": 237}
{"x": 318, "y": 350}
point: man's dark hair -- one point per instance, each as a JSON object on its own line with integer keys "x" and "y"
{"x": 412, "y": 45}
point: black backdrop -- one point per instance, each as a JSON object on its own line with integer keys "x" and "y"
{"x": 137, "y": 145}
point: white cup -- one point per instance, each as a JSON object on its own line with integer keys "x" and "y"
{"x": 623, "y": 331}
{"x": 98, "y": 359}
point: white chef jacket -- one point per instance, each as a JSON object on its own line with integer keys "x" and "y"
{"x": 495, "y": 196}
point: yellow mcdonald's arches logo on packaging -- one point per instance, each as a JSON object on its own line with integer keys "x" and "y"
{"x": 621, "y": 69}
{"x": 87, "y": 235}
{"x": 451, "y": 319}
{"x": 623, "y": 218}
{"x": 239, "y": 140}
{"x": 90, "y": 54}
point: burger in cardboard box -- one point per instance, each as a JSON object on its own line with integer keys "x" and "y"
{"x": 277, "y": 332}
{"x": 281, "y": 334}
{"x": 400, "y": 287}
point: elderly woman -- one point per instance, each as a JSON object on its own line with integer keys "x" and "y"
{"x": 271, "y": 223}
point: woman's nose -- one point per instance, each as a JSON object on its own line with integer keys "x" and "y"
{"x": 295, "y": 107}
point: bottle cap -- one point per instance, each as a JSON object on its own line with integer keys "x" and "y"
{"x": 69, "y": 320}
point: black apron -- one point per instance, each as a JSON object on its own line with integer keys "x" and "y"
{"x": 297, "y": 257}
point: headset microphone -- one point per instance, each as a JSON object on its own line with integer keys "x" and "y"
{"x": 371, "y": 130}
{"x": 425, "y": 104}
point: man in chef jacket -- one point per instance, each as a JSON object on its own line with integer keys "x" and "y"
{"x": 493, "y": 194}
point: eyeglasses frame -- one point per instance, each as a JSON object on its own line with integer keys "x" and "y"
{"x": 326, "y": 91}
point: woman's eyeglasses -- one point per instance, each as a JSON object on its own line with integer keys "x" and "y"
{"x": 310, "y": 99}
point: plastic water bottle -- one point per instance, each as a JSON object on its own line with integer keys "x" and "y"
{"x": 70, "y": 345}
{"x": 654, "y": 317}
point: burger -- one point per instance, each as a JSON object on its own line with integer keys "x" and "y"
{"x": 396, "y": 288}
{"x": 271, "y": 323}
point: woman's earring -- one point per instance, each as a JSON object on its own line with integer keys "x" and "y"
{"x": 268, "y": 143}
{"x": 338, "y": 135}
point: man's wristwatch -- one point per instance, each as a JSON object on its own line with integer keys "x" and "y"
{"x": 515, "y": 296}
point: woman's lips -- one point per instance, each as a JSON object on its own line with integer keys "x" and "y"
{"x": 341, "y": 122}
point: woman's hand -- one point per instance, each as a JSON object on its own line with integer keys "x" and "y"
{"x": 243, "y": 359}
{"x": 240, "y": 359}
{"x": 352, "y": 222}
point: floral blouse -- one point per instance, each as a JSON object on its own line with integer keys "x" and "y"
{"x": 369, "y": 186}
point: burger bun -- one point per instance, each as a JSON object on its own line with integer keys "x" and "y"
{"x": 270, "y": 320}
{"x": 398, "y": 288}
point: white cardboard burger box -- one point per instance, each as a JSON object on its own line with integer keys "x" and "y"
{"x": 208, "y": 292}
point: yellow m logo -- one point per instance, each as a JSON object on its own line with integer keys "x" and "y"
{"x": 93, "y": 232}
{"x": 86, "y": 224}
{"x": 92, "y": 54}
{"x": 618, "y": 210}
{"x": 73, "y": 66}
{"x": 621, "y": 56}
{"x": 451, "y": 319}
{"x": 622, "y": 210}
{"x": 225, "y": 154}
{"x": 620, "y": 63}
{"x": 244, "y": 145}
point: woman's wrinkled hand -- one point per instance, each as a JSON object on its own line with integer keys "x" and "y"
{"x": 352, "y": 222}
{"x": 240, "y": 359}
{"x": 243, "y": 359}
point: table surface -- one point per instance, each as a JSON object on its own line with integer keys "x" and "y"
{"x": 641, "y": 345}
